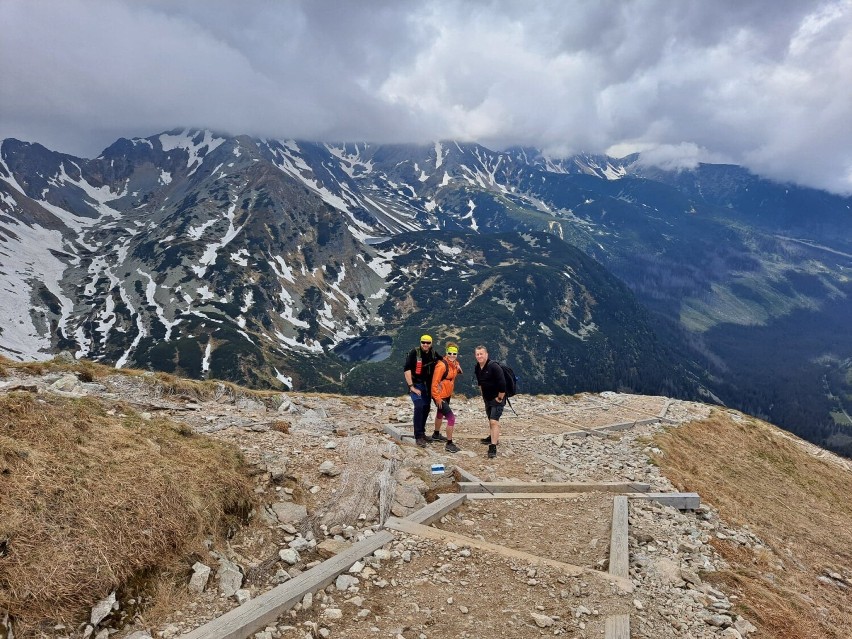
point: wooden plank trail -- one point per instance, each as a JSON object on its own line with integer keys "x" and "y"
{"x": 618, "y": 626}
{"x": 552, "y": 462}
{"x": 495, "y": 487}
{"x": 427, "y": 532}
{"x": 681, "y": 501}
{"x": 619, "y": 559}
{"x": 266, "y": 608}
{"x": 263, "y": 610}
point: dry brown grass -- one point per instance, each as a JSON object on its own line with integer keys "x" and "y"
{"x": 90, "y": 501}
{"x": 167, "y": 384}
{"x": 86, "y": 370}
{"x": 798, "y": 505}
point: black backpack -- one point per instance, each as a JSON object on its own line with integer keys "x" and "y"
{"x": 511, "y": 380}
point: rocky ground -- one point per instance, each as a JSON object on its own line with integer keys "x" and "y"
{"x": 328, "y": 475}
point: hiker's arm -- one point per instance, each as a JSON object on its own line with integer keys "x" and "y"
{"x": 501, "y": 384}
{"x": 408, "y": 374}
{"x": 437, "y": 375}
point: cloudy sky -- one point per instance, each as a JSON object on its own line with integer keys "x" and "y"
{"x": 763, "y": 83}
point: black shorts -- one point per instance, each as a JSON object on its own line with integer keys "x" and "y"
{"x": 494, "y": 409}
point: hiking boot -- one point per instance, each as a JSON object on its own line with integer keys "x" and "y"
{"x": 421, "y": 441}
{"x": 451, "y": 448}
{"x": 485, "y": 440}
{"x": 492, "y": 451}
{"x": 438, "y": 437}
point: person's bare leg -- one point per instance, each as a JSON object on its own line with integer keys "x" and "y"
{"x": 495, "y": 431}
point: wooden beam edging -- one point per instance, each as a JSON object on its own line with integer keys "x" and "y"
{"x": 437, "y": 509}
{"x": 603, "y": 431}
{"x": 617, "y": 627}
{"x": 481, "y": 496}
{"x": 396, "y": 433}
{"x": 562, "y": 421}
{"x": 681, "y": 501}
{"x": 246, "y": 619}
{"x": 611, "y": 428}
{"x": 665, "y": 410}
{"x": 468, "y": 476}
{"x": 552, "y": 487}
{"x": 619, "y": 557}
{"x": 259, "y": 612}
{"x": 552, "y": 462}
{"x": 427, "y": 532}
{"x": 639, "y": 411}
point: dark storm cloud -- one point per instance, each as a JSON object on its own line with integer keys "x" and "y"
{"x": 762, "y": 84}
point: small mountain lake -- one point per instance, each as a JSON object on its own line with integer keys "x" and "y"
{"x": 364, "y": 349}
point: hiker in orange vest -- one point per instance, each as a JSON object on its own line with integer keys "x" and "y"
{"x": 443, "y": 382}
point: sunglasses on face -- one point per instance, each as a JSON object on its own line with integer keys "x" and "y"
{"x": 452, "y": 354}
{"x": 425, "y": 342}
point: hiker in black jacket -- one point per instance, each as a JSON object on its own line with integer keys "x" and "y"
{"x": 492, "y": 384}
{"x": 418, "y": 369}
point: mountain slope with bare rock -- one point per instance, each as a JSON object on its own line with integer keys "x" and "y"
{"x": 292, "y": 264}
{"x": 766, "y": 551}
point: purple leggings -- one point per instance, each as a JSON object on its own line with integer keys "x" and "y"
{"x": 449, "y": 414}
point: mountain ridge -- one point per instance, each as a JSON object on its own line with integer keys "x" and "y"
{"x": 254, "y": 259}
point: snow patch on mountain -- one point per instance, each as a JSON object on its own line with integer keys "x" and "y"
{"x": 471, "y": 205}
{"x": 100, "y": 195}
{"x": 188, "y": 140}
{"x": 439, "y": 155}
{"x": 150, "y": 297}
{"x": 351, "y": 163}
{"x": 212, "y": 250}
{"x": 27, "y": 259}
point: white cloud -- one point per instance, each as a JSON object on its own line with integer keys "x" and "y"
{"x": 760, "y": 83}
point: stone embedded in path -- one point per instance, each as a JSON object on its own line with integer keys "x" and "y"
{"x": 328, "y": 469}
{"x": 288, "y": 512}
{"x": 345, "y": 582}
{"x": 102, "y": 608}
{"x": 542, "y": 621}
{"x": 690, "y": 577}
{"x": 289, "y": 556}
{"x": 330, "y": 547}
{"x": 200, "y": 575}
{"x": 68, "y": 384}
{"x": 406, "y": 499}
{"x": 230, "y": 578}
{"x": 744, "y": 626}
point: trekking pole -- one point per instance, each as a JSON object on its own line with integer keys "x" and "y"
{"x": 481, "y": 485}
{"x": 509, "y": 402}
